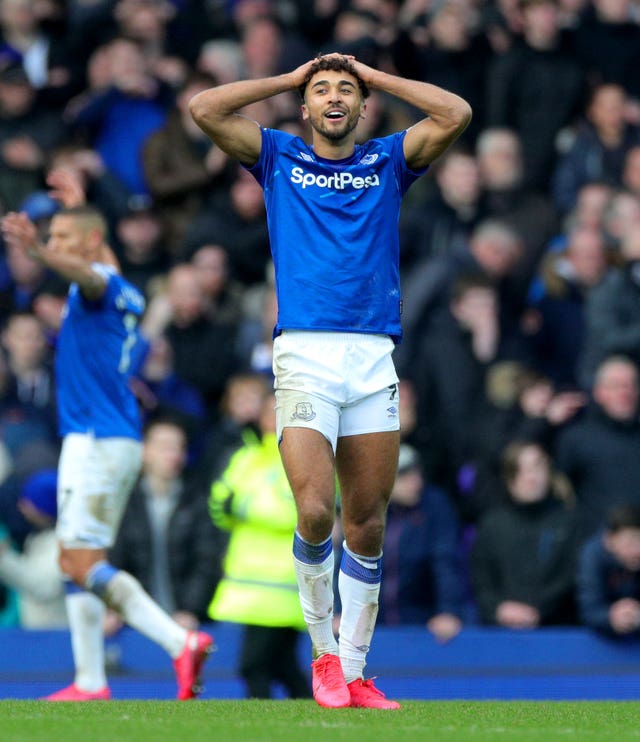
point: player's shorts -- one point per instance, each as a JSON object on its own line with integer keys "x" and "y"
{"x": 338, "y": 383}
{"x": 95, "y": 479}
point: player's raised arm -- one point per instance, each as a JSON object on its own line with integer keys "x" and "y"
{"x": 20, "y": 232}
{"x": 447, "y": 114}
{"x": 216, "y": 111}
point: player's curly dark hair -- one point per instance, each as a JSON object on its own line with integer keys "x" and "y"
{"x": 337, "y": 64}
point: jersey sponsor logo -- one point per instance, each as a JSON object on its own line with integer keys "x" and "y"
{"x": 336, "y": 181}
{"x": 304, "y": 411}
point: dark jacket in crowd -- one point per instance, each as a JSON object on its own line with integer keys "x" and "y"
{"x": 590, "y": 161}
{"x": 194, "y": 549}
{"x": 602, "y": 581}
{"x": 601, "y": 457}
{"x": 612, "y": 320}
{"x": 536, "y": 93}
{"x": 611, "y": 51}
{"x": 526, "y": 553}
{"x": 421, "y": 563}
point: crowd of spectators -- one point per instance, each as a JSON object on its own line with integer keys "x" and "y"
{"x": 520, "y": 260}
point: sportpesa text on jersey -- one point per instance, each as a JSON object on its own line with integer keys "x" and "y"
{"x": 337, "y": 181}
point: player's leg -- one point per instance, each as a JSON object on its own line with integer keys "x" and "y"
{"x": 366, "y": 460}
{"x": 308, "y": 460}
{"x": 366, "y": 469}
{"x": 91, "y": 506}
{"x": 309, "y": 368}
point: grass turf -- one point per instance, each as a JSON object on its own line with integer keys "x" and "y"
{"x": 299, "y": 721}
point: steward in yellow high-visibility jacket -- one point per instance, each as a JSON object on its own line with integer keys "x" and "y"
{"x": 252, "y": 500}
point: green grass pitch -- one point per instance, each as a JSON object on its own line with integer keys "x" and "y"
{"x": 299, "y": 721}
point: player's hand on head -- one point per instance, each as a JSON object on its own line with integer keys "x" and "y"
{"x": 299, "y": 75}
{"x": 364, "y": 72}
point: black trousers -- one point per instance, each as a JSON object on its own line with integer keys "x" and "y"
{"x": 269, "y": 655}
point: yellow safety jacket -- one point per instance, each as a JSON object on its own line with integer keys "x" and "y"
{"x": 253, "y": 501}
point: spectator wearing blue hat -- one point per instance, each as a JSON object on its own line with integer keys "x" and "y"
{"x": 34, "y": 573}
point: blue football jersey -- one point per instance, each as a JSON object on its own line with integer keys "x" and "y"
{"x": 333, "y": 228}
{"x": 93, "y": 360}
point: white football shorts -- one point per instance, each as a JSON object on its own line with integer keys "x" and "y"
{"x": 338, "y": 383}
{"x": 95, "y": 479}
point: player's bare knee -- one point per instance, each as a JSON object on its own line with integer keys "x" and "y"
{"x": 72, "y": 567}
{"x": 315, "y": 522}
{"x": 365, "y": 536}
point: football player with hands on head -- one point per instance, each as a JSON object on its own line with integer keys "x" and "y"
{"x": 332, "y": 212}
{"x": 101, "y": 447}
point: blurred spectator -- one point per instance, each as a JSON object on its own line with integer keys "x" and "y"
{"x": 236, "y": 219}
{"x": 141, "y": 247}
{"x": 316, "y": 20}
{"x": 609, "y": 575}
{"x": 268, "y": 49}
{"x": 608, "y": 43}
{"x": 148, "y": 24}
{"x": 203, "y": 349}
{"x": 631, "y": 171}
{"x": 123, "y": 105}
{"x": 223, "y": 296}
{"x": 30, "y": 366}
{"x": 255, "y": 335}
{"x": 28, "y": 131}
{"x": 181, "y": 165}
{"x": 414, "y": 430}
{"x": 166, "y": 539}
{"x": 42, "y": 39}
{"x": 523, "y": 404}
{"x": 613, "y": 308}
{"x": 592, "y": 201}
{"x": 599, "y": 147}
{"x": 161, "y": 392}
{"x": 26, "y": 444}
{"x": 239, "y": 412}
{"x": 452, "y": 53}
{"x": 505, "y": 197}
{"x": 450, "y": 371}
{"x": 493, "y": 250}
{"x": 34, "y": 572}
{"x": 567, "y": 278}
{"x": 422, "y": 565}
{"x": 599, "y": 452}
{"x": 536, "y": 88}
{"x": 523, "y": 561}
{"x": 445, "y": 221}
{"x": 222, "y": 60}
{"x": 99, "y": 185}
{"x": 27, "y": 280}
{"x": 621, "y": 218}
{"x": 252, "y": 500}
